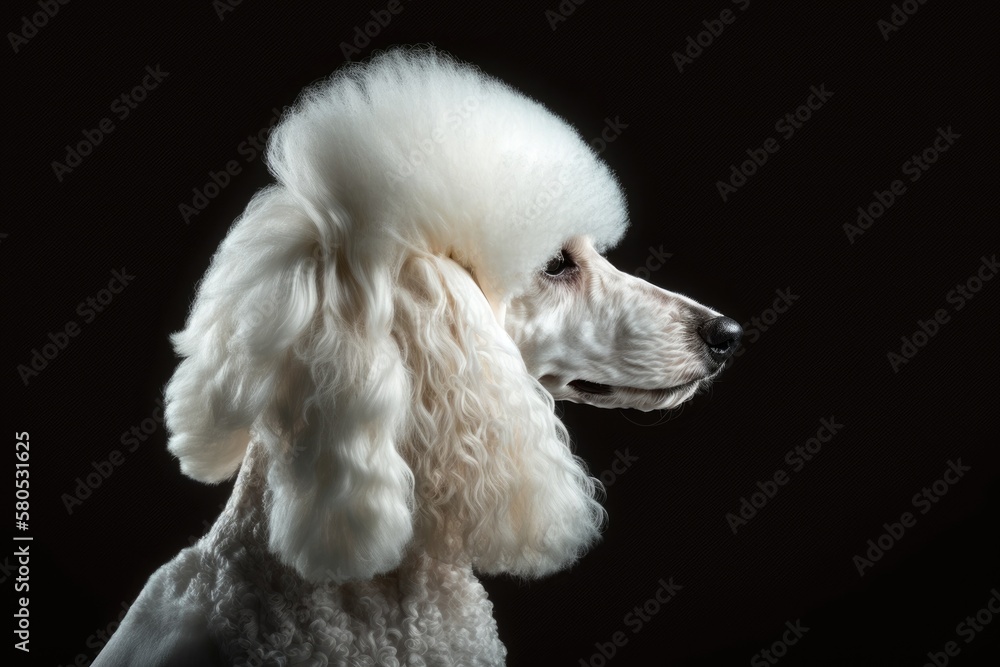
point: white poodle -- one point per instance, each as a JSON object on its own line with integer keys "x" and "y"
{"x": 376, "y": 350}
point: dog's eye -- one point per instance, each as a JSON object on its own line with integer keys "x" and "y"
{"x": 558, "y": 264}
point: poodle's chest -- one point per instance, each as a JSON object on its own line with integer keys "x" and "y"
{"x": 415, "y": 616}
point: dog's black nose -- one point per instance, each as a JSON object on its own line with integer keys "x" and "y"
{"x": 722, "y": 335}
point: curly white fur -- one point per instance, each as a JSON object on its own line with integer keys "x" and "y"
{"x": 375, "y": 348}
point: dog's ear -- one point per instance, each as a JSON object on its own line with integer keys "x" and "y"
{"x": 255, "y": 300}
{"x": 496, "y": 481}
{"x": 290, "y": 337}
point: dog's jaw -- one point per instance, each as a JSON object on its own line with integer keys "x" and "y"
{"x": 607, "y": 396}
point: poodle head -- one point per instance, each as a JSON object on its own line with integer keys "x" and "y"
{"x": 384, "y": 321}
{"x": 416, "y": 145}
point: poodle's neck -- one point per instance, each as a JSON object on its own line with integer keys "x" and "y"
{"x": 261, "y": 607}
{"x": 242, "y": 530}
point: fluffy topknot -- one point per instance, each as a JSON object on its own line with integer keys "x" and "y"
{"x": 435, "y": 154}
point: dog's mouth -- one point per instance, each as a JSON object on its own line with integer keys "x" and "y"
{"x": 619, "y": 396}
{"x": 597, "y": 390}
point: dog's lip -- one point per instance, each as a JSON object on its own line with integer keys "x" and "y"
{"x": 588, "y": 387}
{"x": 598, "y": 389}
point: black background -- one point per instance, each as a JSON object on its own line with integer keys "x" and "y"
{"x": 825, "y": 357}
